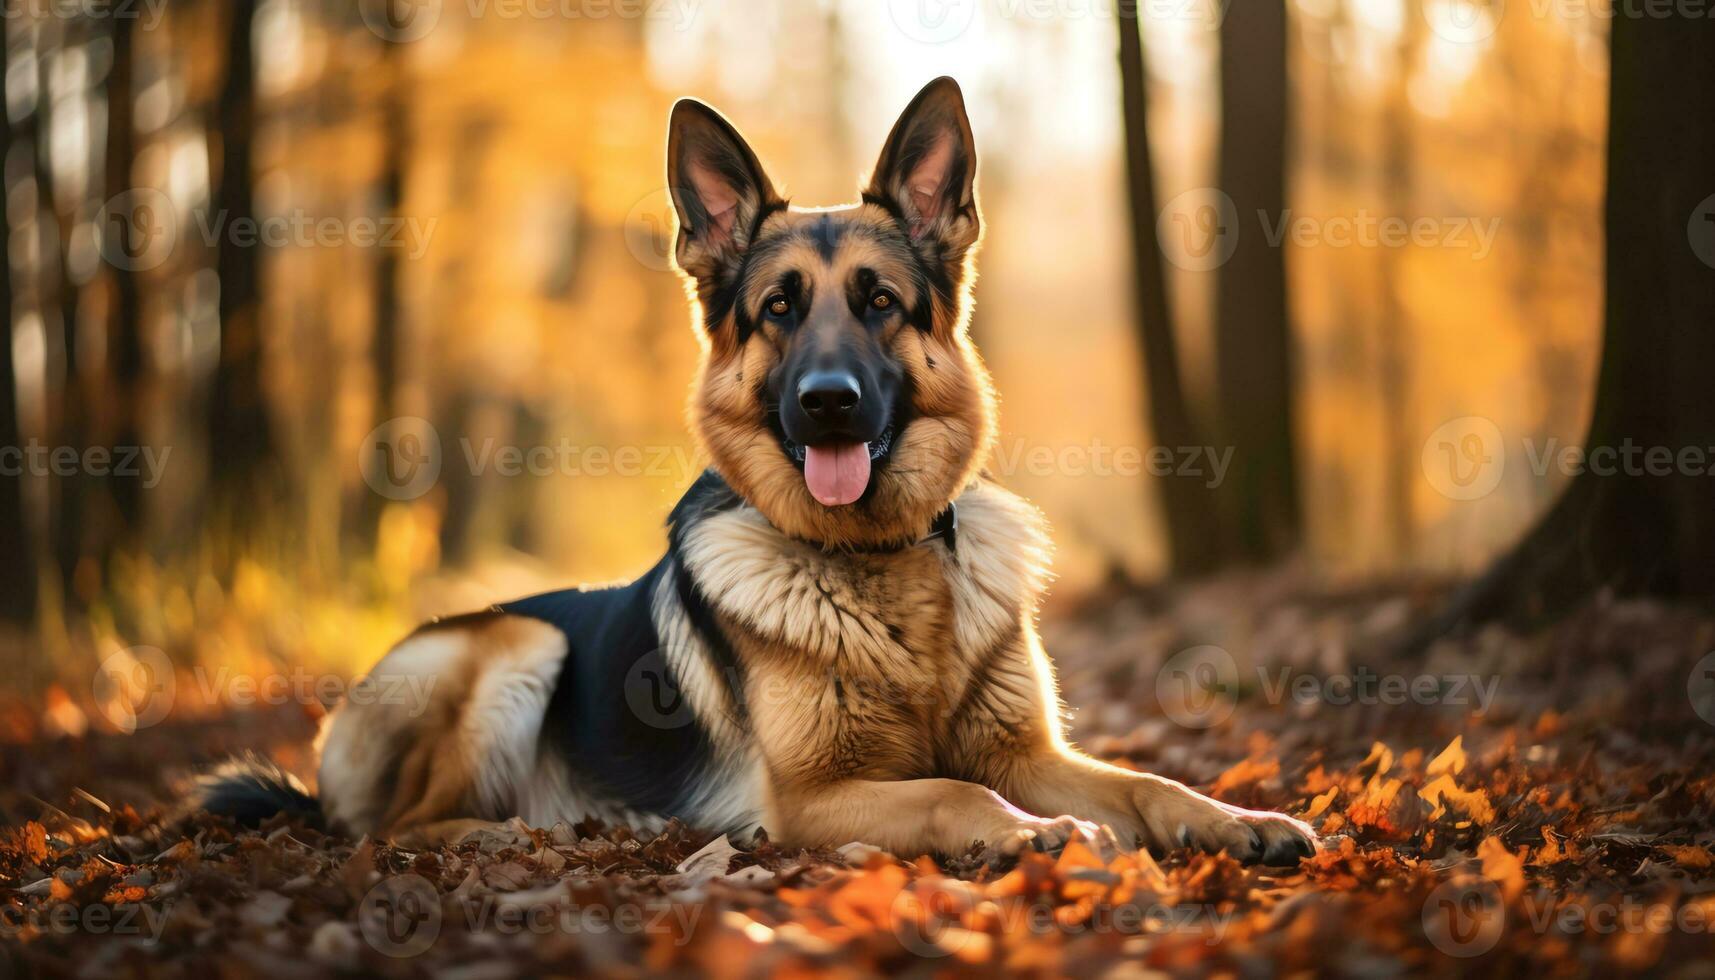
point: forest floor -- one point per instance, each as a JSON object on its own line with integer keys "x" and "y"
{"x": 1505, "y": 805}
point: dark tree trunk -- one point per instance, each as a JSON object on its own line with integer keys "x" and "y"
{"x": 1187, "y": 507}
{"x": 1261, "y": 517}
{"x": 244, "y": 470}
{"x": 125, "y": 341}
{"x": 18, "y": 569}
{"x": 1634, "y": 531}
{"x": 75, "y": 520}
{"x": 395, "y": 135}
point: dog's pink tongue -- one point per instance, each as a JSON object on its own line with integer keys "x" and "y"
{"x": 837, "y": 474}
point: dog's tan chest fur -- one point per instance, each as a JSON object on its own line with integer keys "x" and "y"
{"x": 855, "y": 665}
{"x": 862, "y": 699}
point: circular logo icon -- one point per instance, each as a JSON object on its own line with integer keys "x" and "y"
{"x": 1700, "y": 687}
{"x": 1701, "y": 231}
{"x": 1463, "y": 459}
{"x": 400, "y": 21}
{"x": 1198, "y": 687}
{"x": 135, "y": 688}
{"x": 400, "y": 916}
{"x": 932, "y": 21}
{"x": 651, "y": 230}
{"x": 137, "y": 229}
{"x": 653, "y": 693}
{"x": 927, "y": 920}
{"x": 1199, "y": 229}
{"x": 401, "y": 458}
{"x": 1464, "y": 21}
{"x": 1465, "y": 916}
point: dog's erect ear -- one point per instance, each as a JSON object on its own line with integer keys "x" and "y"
{"x": 928, "y": 169}
{"x": 718, "y": 188}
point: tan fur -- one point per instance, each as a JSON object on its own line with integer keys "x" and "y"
{"x": 442, "y": 736}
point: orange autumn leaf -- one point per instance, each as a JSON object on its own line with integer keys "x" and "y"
{"x": 1451, "y": 759}
{"x": 1689, "y": 856}
{"x": 1555, "y": 848}
{"x": 1502, "y": 866}
{"x": 1320, "y": 804}
{"x": 1389, "y": 808}
{"x": 1245, "y": 773}
{"x": 1442, "y": 793}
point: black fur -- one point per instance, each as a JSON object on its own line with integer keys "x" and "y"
{"x": 648, "y": 759}
{"x": 251, "y": 789}
{"x": 707, "y": 496}
{"x": 617, "y": 717}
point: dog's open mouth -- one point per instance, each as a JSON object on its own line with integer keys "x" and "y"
{"x": 837, "y": 473}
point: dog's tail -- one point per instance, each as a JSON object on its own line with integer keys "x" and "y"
{"x": 250, "y": 789}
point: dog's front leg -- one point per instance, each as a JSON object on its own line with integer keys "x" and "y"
{"x": 914, "y": 816}
{"x": 1150, "y": 810}
{"x": 1006, "y": 733}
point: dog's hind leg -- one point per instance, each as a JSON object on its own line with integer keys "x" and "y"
{"x": 446, "y": 726}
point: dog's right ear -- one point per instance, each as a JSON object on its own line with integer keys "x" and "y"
{"x": 718, "y": 189}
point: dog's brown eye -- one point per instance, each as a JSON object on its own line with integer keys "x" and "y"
{"x": 882, "y": 301}
{"x": 779, "y": 306}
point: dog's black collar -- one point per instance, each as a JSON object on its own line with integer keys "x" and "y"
{"x": 945, "y": 528}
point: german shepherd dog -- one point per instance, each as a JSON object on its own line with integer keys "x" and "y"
{"x": 839, "y": 644}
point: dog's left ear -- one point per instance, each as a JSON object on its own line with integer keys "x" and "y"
{"x": 928, "y": 170}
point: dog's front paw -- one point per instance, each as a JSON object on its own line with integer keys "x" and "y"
{"x": 1043, "y": 835}
{"x": 1177, "y": 817}
{"x": 1252, "y": 836}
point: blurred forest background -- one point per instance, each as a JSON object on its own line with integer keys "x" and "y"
{"x": 470, "y": 229}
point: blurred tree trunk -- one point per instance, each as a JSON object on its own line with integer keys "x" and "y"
{"x": 244, "y": 470}
{"x": 1187, "y": 509}
{"x": 125, "y": 341}
{"x": 395, "y": 138}
{"x": 1631, "y": 530}
{"x": 1261, "y": 518}
{"x": 18, "y": 570}
{"x": 61, "y": 183}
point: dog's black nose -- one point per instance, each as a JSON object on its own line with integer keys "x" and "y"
{"x": 830, "y": 397}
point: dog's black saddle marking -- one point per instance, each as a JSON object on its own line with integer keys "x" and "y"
{"x": 618, "y": 717}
